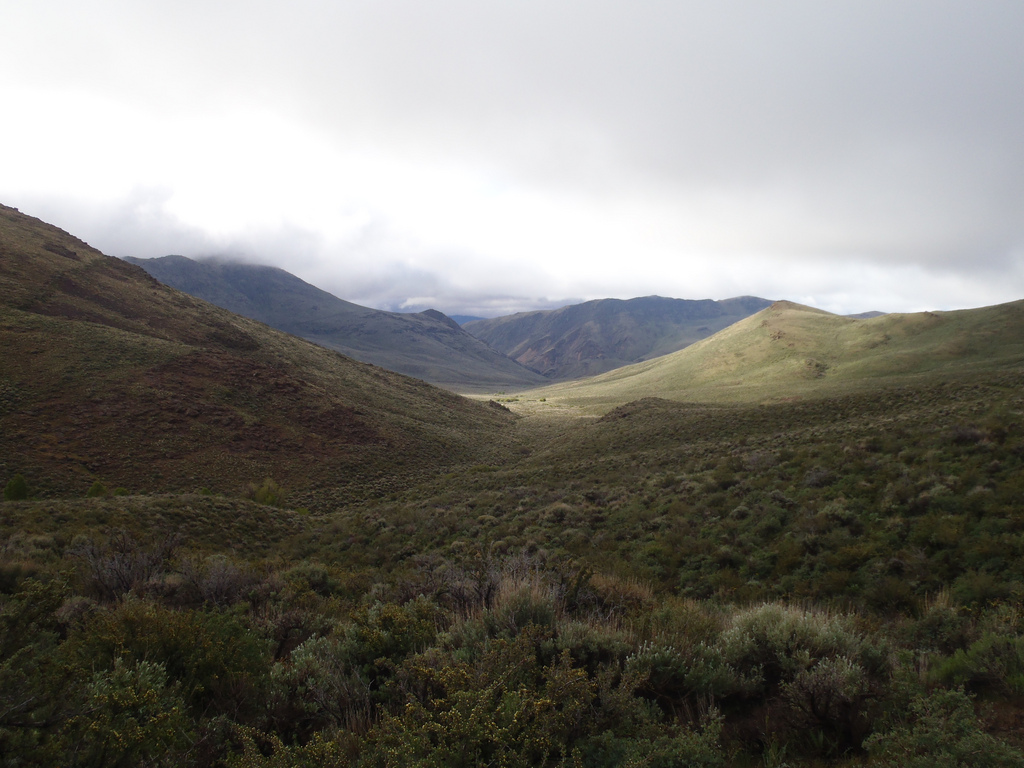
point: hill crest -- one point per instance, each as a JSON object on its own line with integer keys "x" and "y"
{"x": 789, "y": 350}
{"x": 597, "y": 336}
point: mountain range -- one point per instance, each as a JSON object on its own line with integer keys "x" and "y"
{"x": 511, "y": 352}
{"x": 598, "y": 336}
{"x": 427, "y": 345}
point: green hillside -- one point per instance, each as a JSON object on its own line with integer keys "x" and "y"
{"x": 427, "y": 345}
{"x": 792, "y": 351}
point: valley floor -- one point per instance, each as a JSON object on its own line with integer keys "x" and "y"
{"x": 831, "y": 581}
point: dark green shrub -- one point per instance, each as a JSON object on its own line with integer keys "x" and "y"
{"x": 16, "y": 488}
{"x": 942, "y": 628}
{"x": 317, "y": 689}
{"x": 777, "y": 642}
{"x": 994, "y": 663}
{"x": 384, "y": 634}
{"x": 828, "y": 702}
{"x": 219, "y": 663}
{"x": 505, "y": 709}
{"x": 262, "y": 750}
{"x": 940, "y": 730}
{"x": 96, "y": 490}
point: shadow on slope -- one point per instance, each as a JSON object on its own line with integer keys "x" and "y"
{"x": 427, "y": 345}
{"x": 109, "y": 375}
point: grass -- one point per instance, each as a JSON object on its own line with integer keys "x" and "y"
{"x": 788, "y": 351}
{"x": 658, "y": 565}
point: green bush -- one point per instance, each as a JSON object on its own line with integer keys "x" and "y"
{"x": 16, "y": 488}
{"x": 268, "y": 492}
{"x": 995, "y": 662}
{"x": 777, "y": 642}
{"x": 217, "y": 661}
{"x": 261, "y": 750}
{"x": 940, "y": 731}
{"x": 132, "y": 716}
{"x": 505, "y": 709}
{"x": 96, "y": 490}
{"x": 320, "y": 689}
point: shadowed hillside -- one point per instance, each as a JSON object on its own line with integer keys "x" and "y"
{"x": 597, "y": 336}
{"x": 427, "y": 345}
{"x": 108, "y": 375}
{"x": 790, "y": 351}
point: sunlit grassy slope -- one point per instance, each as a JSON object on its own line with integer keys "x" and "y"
{"x": 789, "y": 350}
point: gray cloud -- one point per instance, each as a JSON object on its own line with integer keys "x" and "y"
{"x": 760, "y": 148}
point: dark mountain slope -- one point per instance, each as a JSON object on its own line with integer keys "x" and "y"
{"x": 427, "y": 345}
{"x": 109, "y": 375}
{"x": 597, "y": 336}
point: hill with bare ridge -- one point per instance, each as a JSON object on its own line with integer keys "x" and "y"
{"x": 108, "y": 375}
{"x": 427, "y": 345}
{"x": 598, "y": 336}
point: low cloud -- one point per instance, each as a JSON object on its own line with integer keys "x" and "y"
{"x": 493, "y": 157}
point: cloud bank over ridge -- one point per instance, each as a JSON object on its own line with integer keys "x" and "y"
{"x": 483, "y": 158}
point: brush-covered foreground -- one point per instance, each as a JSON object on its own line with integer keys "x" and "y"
{"x": 836, "y": 581}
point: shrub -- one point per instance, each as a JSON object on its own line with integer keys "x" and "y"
{"x": 778, "y": 642}
{"x": 317, "y": 689}
{"x": 216, "y": 581}
{"x": 942, "y": 628}
{"x": 941, "y": 731}
{"x": 260, "y": 750}
{"x": 670, "y": 676}
{"x": 132, "y": 717}
{"x": 384, "y": 634}
{"x": 994, "y": 662}
{"x": 16, "y": 488}
{"x": 218, "y": 663}
{"x": 121, "y": 564}
{"x": 268, "y": 492}
{"x": 96, "y": 490}
{"x": 506, "y": 709}
{"x": 828, "y": 699}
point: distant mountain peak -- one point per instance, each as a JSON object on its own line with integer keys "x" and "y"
{"x": 441, "y": 317}
{"x": 603, "y": 334}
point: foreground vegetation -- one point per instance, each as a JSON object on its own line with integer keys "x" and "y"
{"x": 833, "y": 581}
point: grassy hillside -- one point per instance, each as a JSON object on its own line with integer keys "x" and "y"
{"x": 777, "y": 562}
{"x": 110, "y": 376}
{"x": 792, "y": 351}
{"x": 597, "y": 336}
{"x": 426, "y": 345}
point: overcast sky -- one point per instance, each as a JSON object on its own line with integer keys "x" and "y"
{"x": 488, "y": 157}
